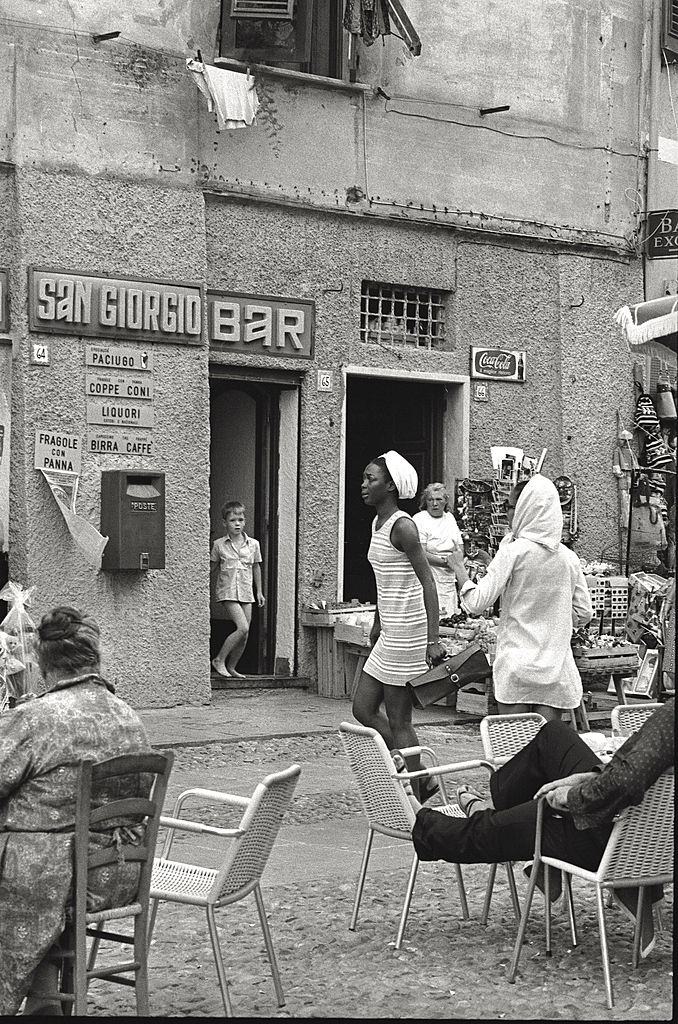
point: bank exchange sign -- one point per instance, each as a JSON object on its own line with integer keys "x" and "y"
{"x": 114, "y": 308}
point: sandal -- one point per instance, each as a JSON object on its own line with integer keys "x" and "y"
{"x": 427, "y": 789}
{"x": 400, "y": 766}
{"x": 468, "y": 798}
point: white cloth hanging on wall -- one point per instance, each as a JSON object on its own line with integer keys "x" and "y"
{"x": 231, "y": 94}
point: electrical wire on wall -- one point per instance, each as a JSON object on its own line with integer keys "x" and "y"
{"x": 498, "y": 131}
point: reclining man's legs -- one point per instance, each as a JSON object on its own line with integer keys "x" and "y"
{"x": 507, "y": 833}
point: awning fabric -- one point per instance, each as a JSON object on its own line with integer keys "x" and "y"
{"x": 656, "y": 320}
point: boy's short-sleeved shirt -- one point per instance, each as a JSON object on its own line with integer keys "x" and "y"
{"x": 234, "y": 582}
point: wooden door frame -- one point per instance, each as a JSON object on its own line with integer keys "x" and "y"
{"x": 265, "y": 387}
{"x": 455, "y": 463}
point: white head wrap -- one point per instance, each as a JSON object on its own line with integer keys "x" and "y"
{"x": 539, "y": 516}
{"x": 403, "y": 474}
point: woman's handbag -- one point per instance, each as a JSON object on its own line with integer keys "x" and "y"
{"x": 466, "y": 667}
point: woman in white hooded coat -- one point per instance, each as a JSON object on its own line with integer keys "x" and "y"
{"x": 544, "y": 597}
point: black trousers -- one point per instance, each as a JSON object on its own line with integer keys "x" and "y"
{"x": 507, "y": 833}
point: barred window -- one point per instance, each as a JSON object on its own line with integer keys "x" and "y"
{"x": 394, "y": 315}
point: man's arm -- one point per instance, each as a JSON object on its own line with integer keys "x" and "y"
{"x": 625, "y": 779}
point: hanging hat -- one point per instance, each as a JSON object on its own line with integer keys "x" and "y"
{"x": 403, "y": 474}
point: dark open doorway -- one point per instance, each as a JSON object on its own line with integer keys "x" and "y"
{"x": 383, "y": 413}
{"x": 244, "y": 422}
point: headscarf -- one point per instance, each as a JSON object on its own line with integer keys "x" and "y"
{"x": 403, "y": 474}
{"x": 538, "y": 516}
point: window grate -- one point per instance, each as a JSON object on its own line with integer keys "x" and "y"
{"x": 395, "y": 315}
{"x": 262, "y": 8}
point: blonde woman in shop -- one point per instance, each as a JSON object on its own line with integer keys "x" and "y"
{"x": 440, "y": 536}
{"x": 544, "y": 597}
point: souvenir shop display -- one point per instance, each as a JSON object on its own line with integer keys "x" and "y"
{"x": 19, "y": 673}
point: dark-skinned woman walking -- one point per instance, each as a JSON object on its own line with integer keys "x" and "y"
{"x": 405, "y": 633}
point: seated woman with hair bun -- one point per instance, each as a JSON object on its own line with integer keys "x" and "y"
{"x": 42, "y": 744}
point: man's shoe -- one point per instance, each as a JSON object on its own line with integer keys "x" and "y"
{"x": 555, "y": 880}
{"x": 471, "y": 801}
{"x": 627, "y": 901}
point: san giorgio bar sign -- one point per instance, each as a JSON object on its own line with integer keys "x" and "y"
{"x": 114, "y": 308}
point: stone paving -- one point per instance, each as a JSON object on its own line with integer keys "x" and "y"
{"x": 447, "y": 968}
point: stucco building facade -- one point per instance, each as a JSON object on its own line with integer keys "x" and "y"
{"x": 518, "y": 229}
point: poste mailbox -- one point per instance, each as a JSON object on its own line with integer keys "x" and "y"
{"x": 133, "y": 518}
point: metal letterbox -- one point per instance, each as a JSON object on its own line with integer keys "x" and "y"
{"x": 133, "y": 519}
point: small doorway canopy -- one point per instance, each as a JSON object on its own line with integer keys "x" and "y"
{"x": 656, "y": 320}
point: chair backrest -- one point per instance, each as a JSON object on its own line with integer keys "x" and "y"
{"x": 628, "y": 718}
{"x": 504, "y": 735}
{"x": 640, "y": 846}
{"x": 115, "y": 799}
{"x": 384, "y": 800}
{"x": 247, "y": 855}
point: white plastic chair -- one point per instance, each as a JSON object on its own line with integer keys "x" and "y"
{"x": 502, "y": 737}
{"x": 626, "y": 719}
{"x": 387, "y": 808}
{"x": 639, "y": 853}
{"x": 240, "y": 872}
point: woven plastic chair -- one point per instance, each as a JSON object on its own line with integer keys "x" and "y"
{"x": 248, "y": 849}
{"x": 639, "y": 853}
{"x": 628, "y": 718}
{"x": 77, "y": 969}
{"x": 502, "y": 737}
{"x": 387, "y": 808}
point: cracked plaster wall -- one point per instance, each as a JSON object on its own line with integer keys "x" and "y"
{"x": 155, "y": 625}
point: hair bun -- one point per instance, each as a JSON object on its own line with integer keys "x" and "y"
{"x": 61, "y": 623}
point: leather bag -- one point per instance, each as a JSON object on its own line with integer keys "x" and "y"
{"x": 468, "y": 666}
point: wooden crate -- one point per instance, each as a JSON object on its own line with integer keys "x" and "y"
{"x": 329, "y": 616}
{"x": 474, "y": 703}
{"x": 351, "y": 633}
{"x": 349, "y": 660}
{"x": 606, "y": 660}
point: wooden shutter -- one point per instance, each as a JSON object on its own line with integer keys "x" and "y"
{"x": 262, "y": 9}
{"x": 670, "y": 29}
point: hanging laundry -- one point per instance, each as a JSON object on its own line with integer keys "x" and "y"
{"x": 231, "y": 94}
{"x": 367, "y": 19}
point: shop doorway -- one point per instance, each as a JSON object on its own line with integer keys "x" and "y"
{"x": 383, "y": 413}
{"x": 253, "y": 459}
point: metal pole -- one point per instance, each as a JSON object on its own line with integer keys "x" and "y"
{"x": 628, "y": 525}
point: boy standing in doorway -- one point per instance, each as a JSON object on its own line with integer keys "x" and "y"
{"x": 238, "y": 558}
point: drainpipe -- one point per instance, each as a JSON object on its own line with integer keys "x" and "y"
{"x": 651, "y": 176}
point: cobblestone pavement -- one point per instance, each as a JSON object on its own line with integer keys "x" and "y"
{"x": 447, "y": 968}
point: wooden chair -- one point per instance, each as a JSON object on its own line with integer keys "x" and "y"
{"x": 387, "y": 808}
{"x": 92, "y": 815}
{"x": 639, "y": 853}
{"x": 241, "y": 868}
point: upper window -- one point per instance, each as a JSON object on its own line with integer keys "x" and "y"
{"x": 394, "y": 315}
{"x": 297, "y": 34}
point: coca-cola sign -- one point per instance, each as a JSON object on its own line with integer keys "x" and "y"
{"x": 498, "y": 364}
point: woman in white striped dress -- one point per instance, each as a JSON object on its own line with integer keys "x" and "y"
{"x": 405, "y": 633}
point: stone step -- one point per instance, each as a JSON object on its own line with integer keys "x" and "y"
{"x": 260, "y": 682}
